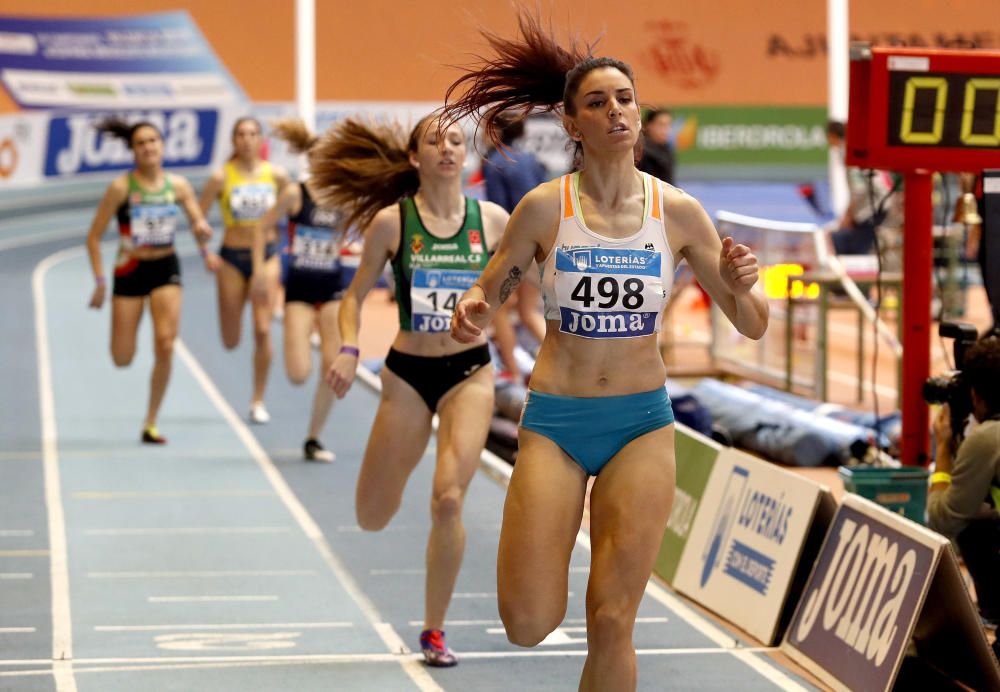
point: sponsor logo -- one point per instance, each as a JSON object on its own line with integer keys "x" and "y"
{"x": 8, "y": 157}
{"x": 147, "y": 90}
{"x": 416, "y": 244}
{"x": 75, "y": 146}
{"x": 752, "y": 510}
{"x": 861, "y": 594}
{"x": 650, "y": 247}
{"x": 600, "y": 260}
{"x": 682, "y": 514}
{"x": 677, "y": 58}
{"x": 325, "y": 218}
{"x": 17, "y": 43}
{"x": 607, "y": 324}
{"x": 443, "y": 246}
{"x": 476, "y": 241}
{"x": 761, "y": 136}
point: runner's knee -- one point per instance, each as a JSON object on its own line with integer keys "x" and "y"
{"x": 526, "y": 626}
{"x": 446, "y": 505}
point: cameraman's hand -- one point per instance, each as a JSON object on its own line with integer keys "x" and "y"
{"x": 942, "y": 426}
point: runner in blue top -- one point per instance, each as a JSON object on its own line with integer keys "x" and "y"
{"x": 313, "y": 286}
{"x": 606, "y": 239}
{"x": 148, "y": 203}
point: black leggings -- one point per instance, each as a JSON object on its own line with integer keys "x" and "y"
{"x": 434, "y": 376}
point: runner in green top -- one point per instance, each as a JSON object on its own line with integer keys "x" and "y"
{"x": 408, "y": 198}
{"x": 430, "y": 272}
{"x": 148, "y": 202}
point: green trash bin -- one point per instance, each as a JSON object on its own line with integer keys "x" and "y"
{"x": 902, "y": 490}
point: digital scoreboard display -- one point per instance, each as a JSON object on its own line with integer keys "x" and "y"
{"x": 936, "y": 110}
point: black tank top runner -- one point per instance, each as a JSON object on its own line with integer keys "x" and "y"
{"x": 315, "y": 236}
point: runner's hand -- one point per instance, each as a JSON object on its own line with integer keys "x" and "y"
{"x": 341, "y": 374}
{"x": 469, "y": 319}
{"x": 212, "y": 261}
{"x": 258, "y": 288}
{"x": 97, "y": 297}
{"x": 203, "y": 231}
{"x": 737, "y": 266}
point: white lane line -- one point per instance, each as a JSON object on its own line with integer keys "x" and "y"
{"x": 62, "y": 623}
{"x": 170, "y": 494}
{"x": 414, "y": 669}
{"x": 205, "y": 574}
{"x": 17, "y": 630}
{"x": 352, "y": 528}
{"x": 210, "y": 599}
{"x": 16, "y": 575}
{"x": 500, "y": 470}
{"x": 16, "y": 533}
{"x": 226, "y": 626}
{"x": 111, "y": 665}
{"x": 187, "y": 530}
{"x": 395, "y": 572}
{"x": 567, "y": 621}
{"x": 38, "y": 238}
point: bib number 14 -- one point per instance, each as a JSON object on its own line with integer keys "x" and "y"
{"x": 608, "y": 288}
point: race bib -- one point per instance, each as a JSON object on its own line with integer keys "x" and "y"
{"x": 434, "y": 293}
{"x": 249, "y": 201}
{"x": 315, "y": 249}
{"x": 608, "y": 293}
{"x": 153, "y": 225}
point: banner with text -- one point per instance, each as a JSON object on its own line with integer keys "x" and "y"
{"x": 696, "y": 456}
{"x": 111, "y": 63}
{"x": 880, "y": 582}
{"x": 744, "y": 549}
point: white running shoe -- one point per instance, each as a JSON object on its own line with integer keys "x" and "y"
{"x": 259, "y": 414}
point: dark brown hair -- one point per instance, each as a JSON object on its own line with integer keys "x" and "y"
{"x": 296, "y": 133}
{"x": 360, "y": 167}
{"x": 117, "y": 127}
{"x": 236, "y": 126}
{"x": 981, "y": 368}
{"x": 532, "y": 73}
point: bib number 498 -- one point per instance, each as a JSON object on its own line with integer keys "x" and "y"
{"x": 630, "y": 292}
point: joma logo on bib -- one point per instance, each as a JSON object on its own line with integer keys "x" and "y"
{"x": 607, "y": 323}
{"x": 862, "y": 592}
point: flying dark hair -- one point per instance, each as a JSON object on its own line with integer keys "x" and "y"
{"x": 296, "y": 133}
{"x": 118, "y": 127}
{"x": 532, "y": 73}
{"x": 360, "y": 167}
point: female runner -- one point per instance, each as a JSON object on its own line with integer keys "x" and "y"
{"x": 606, "y": 238}
{"x": 246, "y": 186}
{"x": 407, "y": 194}
{"x": 147, "y": 202}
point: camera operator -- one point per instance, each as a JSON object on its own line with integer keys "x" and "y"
{"x": 965, "y": 488}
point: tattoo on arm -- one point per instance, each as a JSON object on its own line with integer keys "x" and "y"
{"x": 510, "y": 283}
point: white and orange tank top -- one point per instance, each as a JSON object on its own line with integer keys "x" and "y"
{"x": 608, "y": 288}
{"x": 244, "y": 200}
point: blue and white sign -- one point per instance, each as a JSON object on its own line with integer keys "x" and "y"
{"x": 75, "y": 146}
{"x": 111, "y": 62}
{"x": 434, "y": 293}
{"x": 608, "y": 292}
{"x": 743, "y": 550}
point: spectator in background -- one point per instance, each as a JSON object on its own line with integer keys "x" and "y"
{"x": 868, "y": 190}
{"x": 510, "y": 172}
{"x": 965, "y": 487}
{"x": 657, "y": 152}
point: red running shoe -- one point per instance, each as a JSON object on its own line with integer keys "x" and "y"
{"x": 436, "y": 651}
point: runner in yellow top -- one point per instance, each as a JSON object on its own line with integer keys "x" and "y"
{"x": 246, "y": 186}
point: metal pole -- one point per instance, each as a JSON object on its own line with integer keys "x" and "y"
{"x": 838, "y": 68}
{"x": 305, "y": 61}
{"x": 916, "y": 295}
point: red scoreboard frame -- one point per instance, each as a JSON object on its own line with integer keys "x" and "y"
{"x": 924, "y": 109}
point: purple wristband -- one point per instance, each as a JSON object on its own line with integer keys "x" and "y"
{"x": 353, "y": 350}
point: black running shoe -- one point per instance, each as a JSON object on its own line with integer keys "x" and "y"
{"x": 313, "y": 451}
